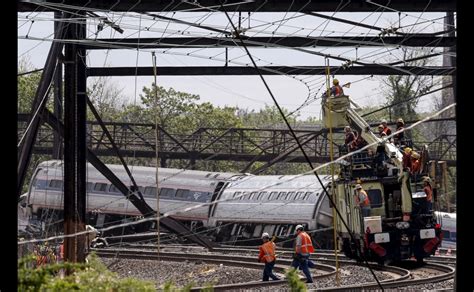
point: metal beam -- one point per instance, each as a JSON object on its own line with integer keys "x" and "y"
{"x": 250, "y": 6}
{"x": 142, "y": 206}
{"x": 58, "y": 93}
{"x": 39, "y": 103}
{"x": 412, "y": 40}
{"x": 270, "y": 70}
{"x": 75, "y": 176}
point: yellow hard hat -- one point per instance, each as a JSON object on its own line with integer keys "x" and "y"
{"x": 407, "y": 150}
{"x": 415, "y": 155}
{"x": 400, "y": 120}
{"x": 335, "y": 82}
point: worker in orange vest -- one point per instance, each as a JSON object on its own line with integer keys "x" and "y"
{"x": 267, "y": 256}
{"x": 303, "y": 249}
{"x": 363, "y": 200}
{"x": 429, "y": 194}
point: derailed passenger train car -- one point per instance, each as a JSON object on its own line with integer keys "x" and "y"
{"x": 178, "y": 189}
{"x": 235, "y": 206}
{"x": 249, "y": 206}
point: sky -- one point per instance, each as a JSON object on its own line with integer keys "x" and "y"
{"x": 35, "y": 38}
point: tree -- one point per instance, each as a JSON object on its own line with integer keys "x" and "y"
{"x": 107, "y": 98}
{"x": 169, "y": 106}
{"x": 27, "y": 85}
{"x": 400, "y": 88}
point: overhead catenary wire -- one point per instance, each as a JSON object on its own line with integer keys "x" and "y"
{"x": 322, "y": 166}
{"x": 299, "y": 145}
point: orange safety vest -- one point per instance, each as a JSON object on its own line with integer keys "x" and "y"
{"x": 61, "y": 251}
{"x": 415, "y": 165}
{"x": 267, "y": 252}
{"x": 366, "y": 202}
{"x": 306, "y": 244}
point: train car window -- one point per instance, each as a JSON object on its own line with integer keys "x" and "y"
{"x": 90, "y": 186}
{"x": 167, "y": 192}
{"x": 56, "y": 184}
{"x": 150, "y": 192}
{"x": 113, "y": 189}
{"x": 446, "y": 234}
{"x": 245, "y": 196}
{"x": 261, "y": 195}
{"x": 100, "y": 187}
{"x": 290, "y": 196}
{"x": 375, "y": 197}
{"x": 281, "y": 195}
{"x": 236, "y": 194}
{"x": 208, "y": 175}
{"x": 453, "y": 235}
{"x": 182, "y": 193}
{"x": 252, "y": 195}
{"x": 299, "y": 195}
{"x": 216, "y": 175}
{"x": 273, "y": 196}
{"x": 40, "y": 184}
{"x": 306, "y": 196}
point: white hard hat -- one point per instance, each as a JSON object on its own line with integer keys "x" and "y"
{"x": 265, "y": 235}
{"x": 384, "y": 121}
{"x": 299, "y": 226}
{"x": 358, "y": 186}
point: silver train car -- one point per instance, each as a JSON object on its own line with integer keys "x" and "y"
{"x": 245, "y": 206}
{"x": 249, "y": 206}
{"x": 178, "y": 189}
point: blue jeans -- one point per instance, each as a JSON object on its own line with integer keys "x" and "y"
{"x": 304, "y": 263}
{"x": 365, "y": 211}
{"x": 267, "y": 272}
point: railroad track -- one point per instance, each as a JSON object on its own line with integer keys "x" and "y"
{"x": 320, "y": 254}
{"x": 403, "y": 277}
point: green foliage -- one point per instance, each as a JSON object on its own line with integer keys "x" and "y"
{"x": 27, "y": 85}
{"x": 91, "y": 276}
{"x": 296, "y": 285}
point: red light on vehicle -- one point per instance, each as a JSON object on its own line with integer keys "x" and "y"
{"x": 378, "y": 249}
{"x": 431, "y": 244}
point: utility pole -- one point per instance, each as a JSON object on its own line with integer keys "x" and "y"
{"x": 75, "y": 140}
{"x": 157, "y": 158}
{"x": 58, "y": 92}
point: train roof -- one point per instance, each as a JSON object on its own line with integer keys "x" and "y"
{"x": 278, "y": 181}
{"x": 144, "y": 172}
{"x": 446, "y": 215}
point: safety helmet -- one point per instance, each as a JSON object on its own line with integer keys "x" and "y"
{"x": 265, "y": 235}
{"x": 335, "y": 82}
{"x": 400, "y": 120}
{"x": 407, "y": 150}
{"x": 299, "y": 227}
{"x": 427, "y": 179}
{"x": 380, "y": 126}
{"x": 384, "y": 121}
{"x": 358, "y": 187}
{"x": 415, "y": 155}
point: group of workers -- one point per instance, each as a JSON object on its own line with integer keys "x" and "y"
{"x": 303, "y": 247}
{"x": 385, "y": 131}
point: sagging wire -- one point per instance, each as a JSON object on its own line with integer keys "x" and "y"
{"x": 263, "y": 188}
{"x": 299, "y": 145}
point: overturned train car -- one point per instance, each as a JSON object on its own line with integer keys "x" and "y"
{"x": 236, "y": 208}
